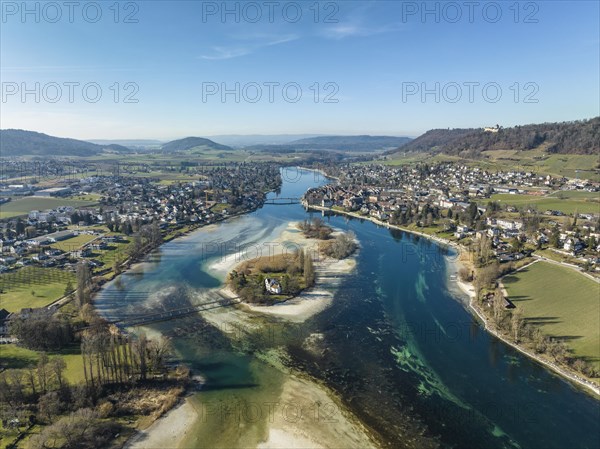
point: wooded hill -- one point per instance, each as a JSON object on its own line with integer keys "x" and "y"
{"x": 577, "y": 137}
{"x": 190, "y": 143}
{"x": 18, "y": 142}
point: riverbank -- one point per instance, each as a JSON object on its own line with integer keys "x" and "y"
{"x": 590, "y": 387}
{"x": 439, "y": 240}
{"x": 322, "y": 172}
{"x": 164, "y": 431}
{"x": 468, "y": 289}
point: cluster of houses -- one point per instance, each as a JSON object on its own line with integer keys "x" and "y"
{"x": 382, "y": 192}
{"x": 128, "y": 202}
{"x": 16, "y": 253}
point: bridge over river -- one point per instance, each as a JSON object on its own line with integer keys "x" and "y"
{"x": 216, "y": 300}
{"x": 280, "y": 201}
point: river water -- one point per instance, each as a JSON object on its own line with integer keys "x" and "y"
{"x": 401, "y": 350}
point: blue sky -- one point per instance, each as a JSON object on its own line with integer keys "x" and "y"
{"x": 361, "y": 67}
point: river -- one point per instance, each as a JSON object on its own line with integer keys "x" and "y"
{"x": 399, "y": 346}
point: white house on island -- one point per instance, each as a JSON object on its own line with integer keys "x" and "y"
{"x": 273, "y": 286}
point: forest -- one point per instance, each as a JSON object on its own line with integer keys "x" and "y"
{"x": 576, "y": 137}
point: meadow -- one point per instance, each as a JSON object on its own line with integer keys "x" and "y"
{"x": 74, "y": 243}
{"x": 17, "y": 357}
{"x": 536, "y": 160}
{"x": 564, "y": 303}
{"x": 32, "y": 287}
{"x": 586, "y": 202}
{"x": 23, "y": 206}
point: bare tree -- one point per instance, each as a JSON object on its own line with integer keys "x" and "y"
{"x": 43, "y": 372}
{"x": 498, "y": 306}
{"x": 30, "y": 375}
{"x": 309, "y": 271}
{"x": 84, "y": 283}
{"x": 50, "y": 406}
{"x": 140, "y": 353}
{"x": 157, "y": 351}
{"x": 58, "y": 366}
{"x": 517, "y": 324}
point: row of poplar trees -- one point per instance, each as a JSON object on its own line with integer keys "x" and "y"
{"x": 109, "y": 357}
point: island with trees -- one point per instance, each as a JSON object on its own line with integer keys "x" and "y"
{"x": 276, "y": 278}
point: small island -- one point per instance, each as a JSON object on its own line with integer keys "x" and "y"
{"x": 277, "y": 278}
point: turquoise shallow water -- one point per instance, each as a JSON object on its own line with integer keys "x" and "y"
{"x": 402, "y": 351}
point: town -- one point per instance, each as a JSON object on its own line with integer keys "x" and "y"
{"x": 517, "y": 260}
{"x": 105, "y": 236}
{"x": 124, "y": 204}
{"x": 457, "y": 202}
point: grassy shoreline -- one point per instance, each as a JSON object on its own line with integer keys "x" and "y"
{"x": 474, "y": 308}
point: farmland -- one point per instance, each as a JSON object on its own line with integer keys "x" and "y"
{"x": 32, "y": 287}
{"x": 583, "y": 202}
{"x": 74, "y": 243}
{"x": 22, "y": 206}
{"x": 536, "y": 160}
{"x": 563, "y": 303}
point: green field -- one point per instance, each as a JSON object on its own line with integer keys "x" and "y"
{"x": 219, "y": 207}
{"x": 582, "y": 166}
{"x": 16, "y": 357}
{"x": 46, "y": 284}
{"x": 571, "y": 166}
{"x": 199, "y": 154}
{"x": 23, "y": 206}
{"x": 564, "y": 303}
{"x": 108, "y": 256}
{"x": 580, "y": 195}
{"x": 586, "y": 202}
{"x": 74, "y": 243}
{"x": 412, "y": 158}
{"x": 536, "y": 160}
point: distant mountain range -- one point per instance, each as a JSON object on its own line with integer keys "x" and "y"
{"x": 18, "y": 142}
{"x": 244, "y": 140}
{"x": 130, "y": 143}
{"x": 337, "y": 143}
{"x": 577, "y": 137}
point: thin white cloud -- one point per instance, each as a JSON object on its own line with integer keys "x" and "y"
{"x": 226, "y": 53}
{"x": 255, "y": 44}
{"x": 343, "y": 31}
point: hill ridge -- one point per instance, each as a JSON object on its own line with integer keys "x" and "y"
{"x": 19, "y": 142}
{"x": 574, "y": 137}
